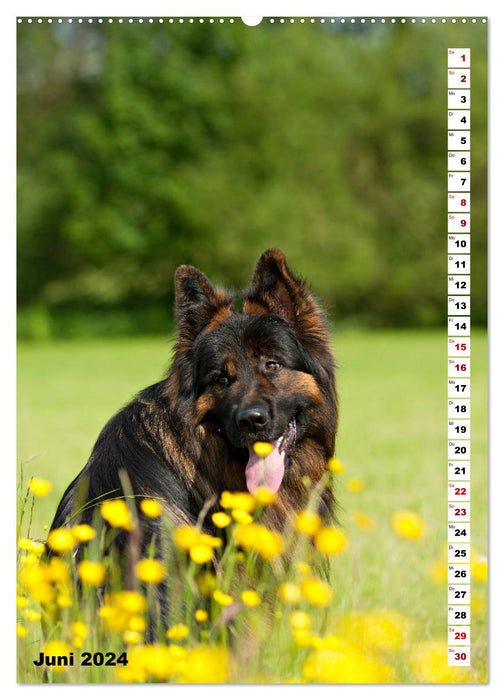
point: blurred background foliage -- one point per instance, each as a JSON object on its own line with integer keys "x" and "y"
{"x": 145, "y": 146}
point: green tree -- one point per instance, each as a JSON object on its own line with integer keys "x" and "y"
{"x": 144, "y": 146}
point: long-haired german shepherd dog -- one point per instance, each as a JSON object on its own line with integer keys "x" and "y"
{"x": 264, "y": 372}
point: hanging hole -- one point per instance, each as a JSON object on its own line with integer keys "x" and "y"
{"x": 251, "y": 21}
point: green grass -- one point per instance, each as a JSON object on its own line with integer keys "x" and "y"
{"x": 66, "y": 393}
{"x": 392, "y": 434}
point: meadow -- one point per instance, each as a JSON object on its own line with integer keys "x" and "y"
{"x": 383, "y": 615}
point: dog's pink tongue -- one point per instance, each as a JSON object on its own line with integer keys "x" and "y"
{"x": 265, "y": 471}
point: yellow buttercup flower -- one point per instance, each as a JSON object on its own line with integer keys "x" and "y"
{"x": 264, "y": 496}
{"x": 61, "y": 539}
{"x": 21, "y": 631}
{"x": 305, "y": 638}
{"x": 241, "y": 516}
{"x": 151, "y": 508}
{"x": 307, "y": 523}
{"x": 131, "y": 674}
{"x": 300, "y": 620}
{"x": 210, "y": 541}
{"x": 80, "y": 629}
{"x": 429, "y": 662}
{"x": 479, "y": 568}
{"x": 316, "y": 592}
{"x": 83, "y": 532}
{"x": 335, "y": 466}
{"x": 29, "y": 563}
{"x": 116, "y": 513}
{"x": 29, "y": 560}
{"x": 38, "y": 582}
{"x": 92, "y": 573}
{"x": 238, "y": 501}
{"x": 122, "y": 610}
{"x": 201, "y": 553}
{"x": 131, "y": 602}
{"x": 57, "y": 648}
{"x": 58, "y": 571}
{"x": 32, "y": 615}
{"x": 137, "y": 623}
{"x": 186, "y": 537}
{"x": 331, "y": 540}
{"x": 199, "y": 545}
{"x": 221, "y": 519}
{"x": 250, "y": 598}
{"x": 150, "y": 570}
{"x": 408, "y": 524}
{"x": 201, "y": 615}
{"x": 205, "y": 664}
{"x": 178, "y": 632}
{"x": 39, "y": 487}
{"x": 222, "y": 598}
{"x": 289, "y": 592}
{"x": 380, "y": 630}
{"x": 132, "y": 637}
{"x": 64, "y": 601}
{"x": 113, "y": 616}
{"x": 257, "y": 537}
{"x": 345, "y": 665}
{"x": 262, "y": 449}
{"x": 21, "y": 602}
{"x": 31, "y": 545}
{"x": 157, "y": 660}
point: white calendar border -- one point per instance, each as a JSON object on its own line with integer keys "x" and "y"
{"x": 294, "y": 8}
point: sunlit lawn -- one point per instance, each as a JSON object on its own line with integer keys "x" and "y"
{"x": 392, "y": 436}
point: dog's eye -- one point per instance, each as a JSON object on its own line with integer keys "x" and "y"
{"x": 223, "y": 380}
{"x": 273, "y": 365}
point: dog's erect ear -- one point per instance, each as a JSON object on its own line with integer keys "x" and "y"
{"x": 196, "y": 301}
{"x": 275, "y": 290}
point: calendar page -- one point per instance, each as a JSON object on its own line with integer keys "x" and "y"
{"x": 252, "y": 350}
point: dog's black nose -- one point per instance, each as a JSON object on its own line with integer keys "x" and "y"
{"x": 253, "y": 418}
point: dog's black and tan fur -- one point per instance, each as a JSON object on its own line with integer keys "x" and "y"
{"x": 260, "y": 373}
